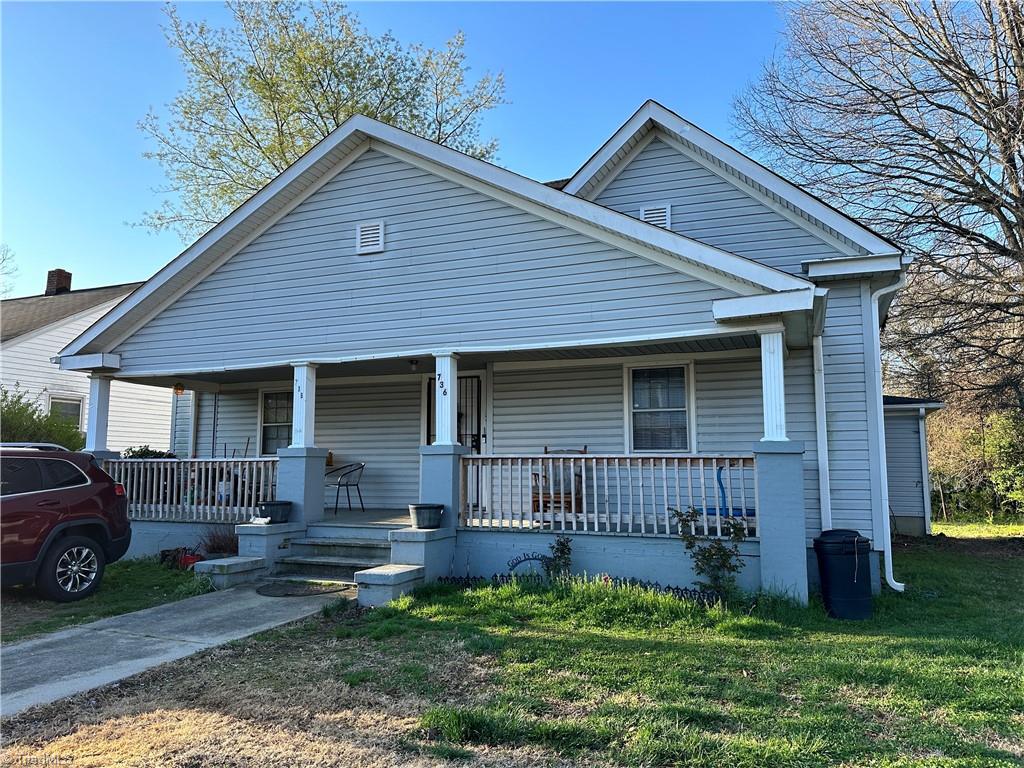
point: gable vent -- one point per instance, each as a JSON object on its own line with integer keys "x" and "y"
{"x": 658, "y": 215}
{"x": 370, "y": 237}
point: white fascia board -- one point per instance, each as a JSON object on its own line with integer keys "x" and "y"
{"x": 851, "y": 266}
{"x": 105, "y": 361}
{"x": 751, "y": 169}
{"x": 685, "y": 248}
{"x": 745, "y": 307}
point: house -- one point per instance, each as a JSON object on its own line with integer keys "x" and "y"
{"x": 906, "y": 451}
{"x": 33, "y": 329}
{"x": 673, "y": 327}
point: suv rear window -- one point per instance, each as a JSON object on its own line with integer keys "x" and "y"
{"x": 62, "y": 474}
{"x": 19, "y": 474}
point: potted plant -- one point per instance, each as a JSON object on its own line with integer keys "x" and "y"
{"x": 426, "y": 515}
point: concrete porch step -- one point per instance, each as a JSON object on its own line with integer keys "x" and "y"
{"x": 338, "y": 568}
{"x": 322, "y": 530}
{"x": 370, "y": 550}
{"x": 300, "y": 579}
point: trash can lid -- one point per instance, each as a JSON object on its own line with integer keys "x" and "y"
{"x": 844, "y": 538}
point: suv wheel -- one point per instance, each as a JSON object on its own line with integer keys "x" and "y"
{"x": 72, "y": 569}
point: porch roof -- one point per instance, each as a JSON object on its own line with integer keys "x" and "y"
{"x": 476, "y": 360}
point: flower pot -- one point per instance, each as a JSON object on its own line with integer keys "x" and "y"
{"x": 277, "y": 511}
{"x": 426, "y": 515}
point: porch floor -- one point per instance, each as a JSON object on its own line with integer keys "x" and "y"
{"x": 385, "y": 518}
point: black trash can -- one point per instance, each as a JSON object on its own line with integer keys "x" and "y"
{"x": 426, "y": 515}
{"x": 845, "y": 568}
{"x": 277, "y": 511}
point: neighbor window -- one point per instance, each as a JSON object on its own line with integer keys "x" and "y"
{"x": 658, "y": 409}
{"x": 67, "y": 409}
{"x": 277, "y": 422}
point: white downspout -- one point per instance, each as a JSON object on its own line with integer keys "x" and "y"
{"x": 876, "y": 381}
{"x": 821, "y": 431}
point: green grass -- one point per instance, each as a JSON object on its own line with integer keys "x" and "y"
{"x": 128, "y": 585}
{"x": 979, "y": 530}
{"x": 634, "y": 678}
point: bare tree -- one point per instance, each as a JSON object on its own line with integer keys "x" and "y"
{"x": 281, "y": 76}
{"x": 8, "y": 270}
{"x": 909, "y": 116}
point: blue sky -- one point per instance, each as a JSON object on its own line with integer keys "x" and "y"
{"x": 77, "y": 78}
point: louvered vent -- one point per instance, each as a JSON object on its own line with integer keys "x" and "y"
{"x": 658, "y": 215}
{"x": 370, "y": 237}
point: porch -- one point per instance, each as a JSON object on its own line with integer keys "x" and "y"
{"x": 604, "y": 443}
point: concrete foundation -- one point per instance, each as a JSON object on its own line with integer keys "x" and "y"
{"x": 151, "y": 536}
{"x": 434, "y": 549}
{"x": 782, "y": 518}
{"x": 268, "y": 542}
{"x": 300, "y": 480}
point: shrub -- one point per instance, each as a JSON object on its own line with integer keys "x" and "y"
{"x": 219, "y": 540}
{"x": 145, "y": 452}
{"x": 23, "y": 421}
{"x": 717, "y": 561}
{"x": 559, "y": 564}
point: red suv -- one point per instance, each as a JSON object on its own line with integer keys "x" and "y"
{"x": 62, "y": 519}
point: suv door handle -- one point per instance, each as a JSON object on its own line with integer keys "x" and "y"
{"x": 48, "y": 503}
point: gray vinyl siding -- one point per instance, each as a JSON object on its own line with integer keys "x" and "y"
{"x": 707, "y": 207}
{"x": 845, "y": 351}
{"x": 459, "y": 269}
{"x": 375, "y": 423}
{"x": 563, "y": 408}
{"x": 903, "y": 462}
{"x": 380, "y": 425}
{"x": 181, "y": 424}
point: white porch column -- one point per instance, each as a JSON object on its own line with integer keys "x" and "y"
{"x": 446, "y": 388}
{"x": 99, "y": 413}
{"x": 773, "y": 387}
{"x": 303, "y": 406}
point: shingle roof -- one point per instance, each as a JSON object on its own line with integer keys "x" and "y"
{"x": 19, "y": 316}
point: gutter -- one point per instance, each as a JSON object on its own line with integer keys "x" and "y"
{"x": 876, "y": 382}
{"x": 821, "y": 435}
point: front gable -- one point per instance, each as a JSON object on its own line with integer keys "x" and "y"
{"x": 459, "y": 269}
{"x": 709, "y": 207}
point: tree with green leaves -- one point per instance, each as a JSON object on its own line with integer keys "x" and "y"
{"x": 22, "y": 420}
{"x": 282, "y": 75}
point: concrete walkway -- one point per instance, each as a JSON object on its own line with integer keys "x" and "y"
{"x": 64, "y": 663}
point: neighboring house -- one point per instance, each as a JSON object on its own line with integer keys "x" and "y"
{"x": 34, "y": 329}
{"x": 700, "y": 332}
{"x": 906, "y": 450}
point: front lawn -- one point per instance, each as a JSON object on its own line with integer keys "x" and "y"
{"x": 979, "y": 530}
{"x": 585, "y": 673}
{"x": 128, "y": 585}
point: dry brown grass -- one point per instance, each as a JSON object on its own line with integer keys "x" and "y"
{"x": 279, "y": 699}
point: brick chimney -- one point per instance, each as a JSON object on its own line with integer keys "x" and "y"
{"x": 57, "y": 281}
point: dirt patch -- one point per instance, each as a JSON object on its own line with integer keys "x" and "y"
{"x": 278, "y": 699}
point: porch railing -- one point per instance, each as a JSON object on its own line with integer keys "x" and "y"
{"x": 618, "y": 494}
{"x": 195, "y": 490}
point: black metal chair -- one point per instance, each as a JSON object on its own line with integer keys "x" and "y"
{"x": 346, "y": 476}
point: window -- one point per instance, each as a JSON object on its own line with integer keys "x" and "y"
{"x": 19, "y": 475}
{"x": 67, "y": 408}
{"x": 659, "y": 416}
{"x": 276, "y": 424}
{"x": 62, "y": 474}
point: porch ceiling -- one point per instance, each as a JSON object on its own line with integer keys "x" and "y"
{"x": 474, "y": 361}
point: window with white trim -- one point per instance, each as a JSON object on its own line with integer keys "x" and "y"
{"x": 67, "y": 409}
{"x": 276, "y": 422}
{"x": 659, "y": 412}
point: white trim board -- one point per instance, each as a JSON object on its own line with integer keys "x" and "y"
{"x": 747, "y": 168}
{"x": 272, "y": 202}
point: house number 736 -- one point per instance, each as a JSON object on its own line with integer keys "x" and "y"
{"x": 441, "y": 386}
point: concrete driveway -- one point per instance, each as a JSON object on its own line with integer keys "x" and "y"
{"x": 64, "y": 663}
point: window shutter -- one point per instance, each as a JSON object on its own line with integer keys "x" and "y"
{"x": 370, "y": 237}
{"x": 658, "y": 215}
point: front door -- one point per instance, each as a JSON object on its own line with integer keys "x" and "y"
{"x": 471, "y": 412}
